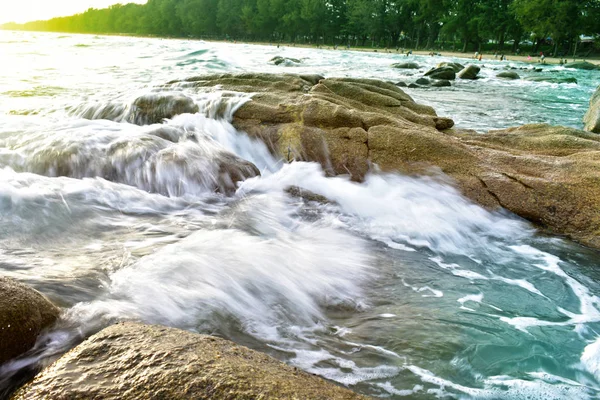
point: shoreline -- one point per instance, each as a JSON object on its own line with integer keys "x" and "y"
{"x": 454, "y": 54}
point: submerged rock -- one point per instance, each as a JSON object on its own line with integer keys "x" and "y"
{"x": 423, "y": 81}
{"x": 406, "y": 65}
{"x": 24, "y": 314}
{"x": 278, "y": 60}
{"x": 508, "y": 75}
{"x": 546, "y": 174}
{"x": 469, "y": 72}
{"x": 583, "y": 65}
{"x": 132, "y": 361}
{"x": 446, "y": 73}
{"x": 551, "y": 79}
{"x": 592, "y": 116}
{"x": 154, "y": 108}
{"x": 441, "y": 83}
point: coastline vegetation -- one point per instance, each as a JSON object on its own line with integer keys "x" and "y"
{"x": 553, "y": 26}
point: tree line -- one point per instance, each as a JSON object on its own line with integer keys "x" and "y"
{"x": 465, "y": 25}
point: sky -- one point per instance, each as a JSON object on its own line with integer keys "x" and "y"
{"x": 32, "y": 10}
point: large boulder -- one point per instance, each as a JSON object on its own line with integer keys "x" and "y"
{"x": 583, "y": 65}
{"x": 154, "y": 108}
{"x": 546, "y": 174}
{"x": 455, "y": 66}
{"x": 592, "y": 116}
{"x": 508, "y": 75}
{"x": 24, "y": 314}
{"x": 132, "y": 361}
{"x": 446, "y": 73}
{"x": 469, "y": 72}
{"x": 406, "y": 65}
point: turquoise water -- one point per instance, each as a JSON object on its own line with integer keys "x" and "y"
{"x": 399, "y": 288}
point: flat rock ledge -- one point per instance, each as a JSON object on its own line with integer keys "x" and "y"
{"x": 131, "y": 361}
{"x": 549, "y": 175}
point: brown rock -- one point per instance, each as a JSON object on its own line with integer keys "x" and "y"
{"x": 24, "y": 314}
{"x": 133, "y": 361}
{"x": 592, "y": 116}
{"x": 549, "y": 175}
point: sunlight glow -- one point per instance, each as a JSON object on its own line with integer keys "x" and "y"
{"x": 31, "y": 10}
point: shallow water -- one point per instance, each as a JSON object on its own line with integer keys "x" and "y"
{"x": 398, "y": 287}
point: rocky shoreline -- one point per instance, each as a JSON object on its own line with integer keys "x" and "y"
{"x": 549, "y": 175}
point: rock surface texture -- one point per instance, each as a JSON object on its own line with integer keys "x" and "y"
{"x": 549, "y": 175}
{"x": 24, "y": 314}
{"x": 132, "y": 361}
{"x": 592, "y": 116}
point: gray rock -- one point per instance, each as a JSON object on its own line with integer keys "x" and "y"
{"x": 154, "y": 108}
{"x": 592, "y": 116}
{"x": 423, "y": 81}
{"x": 406, "y": 65}
{"x": 401, "y": 84}
{"x": 414, "y": 86}
{"x": 508, "y": 75}
{"x": 278, "y": 60}
{"x": 469, "y": 72}
{"x": 133, "y": 361}
{"x": 446, "y": 73}
{"x": 441, "y": 83}
{"x": 551, "y": 79}
{"x": 24, "y": 314}
{"x": 455, "y": 66}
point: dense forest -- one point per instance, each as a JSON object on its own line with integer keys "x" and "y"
{"x": 465, "y": 25}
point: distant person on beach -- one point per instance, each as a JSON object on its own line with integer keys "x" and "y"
{"x": 480, "y": 57}
{"x": 476, "y": 55}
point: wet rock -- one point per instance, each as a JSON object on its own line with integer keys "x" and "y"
{"x": 469, "y": 72}
{"x": 132, "y": 361}
{"x": 154, "y": 108}
{"x": 441, "y": 83}
{"x": 423, "y": 81}
{"x": 406, "y": 65}
{"x": 588, "y": 66}
{"x": 401, "y": 84}
{"x": 551, "y": 79}
{"x": 546, "y": 174}
{"x": 455, "y": 66}
{"x": 24, "y": 314}
{"x": 446, "y": 73}
{"x": 307, "y": 195}
{"x": 508, "y": 75}
{"x": 278, "y": 60}
{"x": 414, "y": 86}
{"x": 592, "y": 116}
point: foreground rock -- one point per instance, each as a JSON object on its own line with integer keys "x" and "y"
{"x": 588, "y": 66}
{"x": 154, "y": 108}
{"x": 133, "y": 361}
{"x": 24, "y": 314}
{"x": 592, "y": 116}
{"x": 546, "y": 174}
{"x": 469, "y": 72}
